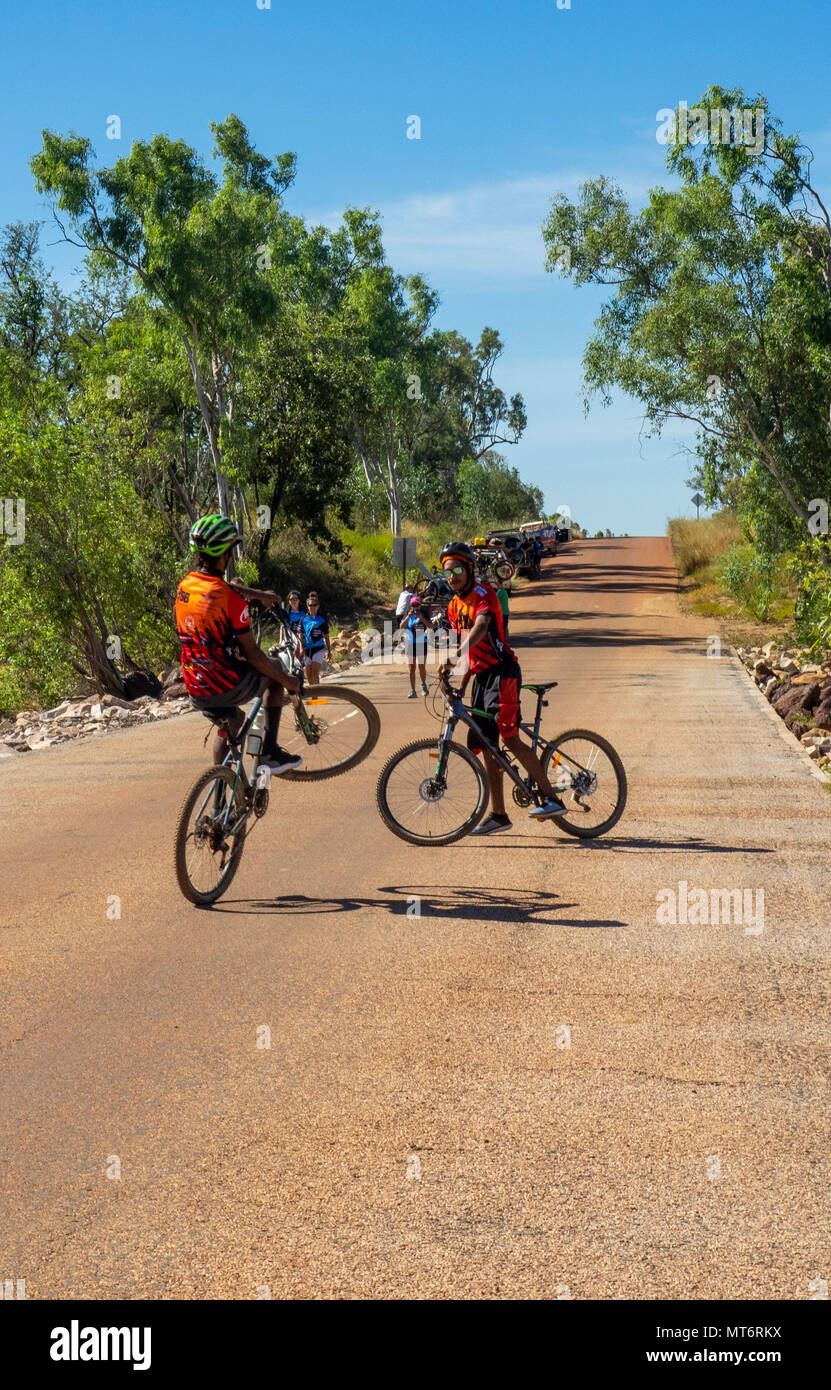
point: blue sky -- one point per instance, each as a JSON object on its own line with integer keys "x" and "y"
{"x": 516, "y": 102}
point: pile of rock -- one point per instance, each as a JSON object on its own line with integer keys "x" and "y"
{"x": 94, "y": 714}
{"x": 346, "y": 647}
{"x": 799, "y": 689}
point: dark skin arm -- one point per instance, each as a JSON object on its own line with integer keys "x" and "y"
{"x": 266, "y": 597}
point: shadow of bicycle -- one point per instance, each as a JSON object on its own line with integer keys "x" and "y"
{"x": 524, "y": 907}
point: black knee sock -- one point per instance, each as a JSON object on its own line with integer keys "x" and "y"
{"x": 272, "y": 724}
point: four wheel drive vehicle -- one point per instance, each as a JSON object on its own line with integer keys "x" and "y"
{"x": 434, "y": 588}
{"x": 563, "y": 534}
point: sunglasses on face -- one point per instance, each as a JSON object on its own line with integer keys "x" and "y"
{"x": 453, "y": 569}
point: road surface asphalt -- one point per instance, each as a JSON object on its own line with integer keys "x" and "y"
{"x": 534, "y": 1088}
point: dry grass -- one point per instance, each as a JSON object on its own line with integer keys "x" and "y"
{"x": 699, "y": 544}
{"x": 702, "y": 550}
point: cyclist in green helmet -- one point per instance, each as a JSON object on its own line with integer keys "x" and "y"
{"x": 213, "y": 623}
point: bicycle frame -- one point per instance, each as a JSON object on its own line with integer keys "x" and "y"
{"x": 236, "y": 751}
{"x": 458, "y": 713}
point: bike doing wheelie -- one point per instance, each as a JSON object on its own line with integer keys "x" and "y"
{"x": 223, "y": 667}
{"x": 334, "y": 729}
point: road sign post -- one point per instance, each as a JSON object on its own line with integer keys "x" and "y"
{"x": 697, "y": 500}
{"x": 404, "y": 554}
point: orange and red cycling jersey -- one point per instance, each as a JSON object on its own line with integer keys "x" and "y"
{"x": 462, "y": 613}
{"x": 210, "y": 615}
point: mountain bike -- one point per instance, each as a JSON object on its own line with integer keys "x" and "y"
{"x": 334, "y": 730}
{"x": 434, "y": 792}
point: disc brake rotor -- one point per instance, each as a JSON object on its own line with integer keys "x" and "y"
{"x": 429, "y": 790}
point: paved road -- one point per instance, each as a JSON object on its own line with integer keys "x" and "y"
{"x": 418, "y": 1129}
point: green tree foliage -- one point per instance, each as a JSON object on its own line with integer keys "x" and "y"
{"x": 198, "y": 247}
{"x": 492, "y": 494}
{"x": 721, "y": 314}
{"x": 217, "y": 353}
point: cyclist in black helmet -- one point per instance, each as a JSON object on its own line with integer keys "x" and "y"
{"x": 476, "y": 614}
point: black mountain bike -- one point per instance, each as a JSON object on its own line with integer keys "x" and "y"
{"x": 433, "y": 792}
{"x": 333, "y": 729}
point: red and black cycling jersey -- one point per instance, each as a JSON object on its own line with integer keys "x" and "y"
{"x": 210, "y": 615}
{"x": 492, "y": 649}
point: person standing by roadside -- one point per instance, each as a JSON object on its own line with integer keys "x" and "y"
{"x": 415, "y": 624}
{"x": 315, "y": 627}
{"x": 402, "y": 608}
{"x": 296, "y": 615}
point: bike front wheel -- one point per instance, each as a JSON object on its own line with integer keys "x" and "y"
{"x": 588, "y": 777}
{"x": 336, "y": 730}
{"x": 428, "y": 804}
{"x": 210, "y": 837}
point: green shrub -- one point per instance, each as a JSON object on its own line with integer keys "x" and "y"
{"x": 811, "y": 566}
{"x": 751, "y": 579}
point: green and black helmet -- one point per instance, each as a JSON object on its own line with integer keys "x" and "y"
{"x": 214, "y": 534}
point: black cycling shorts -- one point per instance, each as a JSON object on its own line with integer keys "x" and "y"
{"x": 497, "y": 692}
{"x": 225, "y": 704}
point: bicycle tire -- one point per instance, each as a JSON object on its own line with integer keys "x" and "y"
{"x": 194, "y": 895}
{"x": 573, "y": 827}
{"x": 430, "y": 840}
{"x": 339, "y": 692}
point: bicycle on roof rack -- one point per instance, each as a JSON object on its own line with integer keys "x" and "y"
{"x": 435, "y": 791}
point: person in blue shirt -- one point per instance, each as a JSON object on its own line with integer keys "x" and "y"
{"x": 415, "y": 624}
{"x": 296, "y": 616}
{"x": 315, "y": 630}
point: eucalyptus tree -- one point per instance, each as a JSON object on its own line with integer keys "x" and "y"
{"x": 720, "y": 313}
{"x": 198, "y": 247}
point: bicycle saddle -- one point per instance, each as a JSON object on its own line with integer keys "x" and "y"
{"x": 547, "y": 685}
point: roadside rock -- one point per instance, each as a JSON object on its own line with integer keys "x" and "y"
{"x": 174, "y": 691}
{"x": 822, "y": 713}
{"x": 82, "y": 718}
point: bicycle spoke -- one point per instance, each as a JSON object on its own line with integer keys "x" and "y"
{"x": 337, "y": 732}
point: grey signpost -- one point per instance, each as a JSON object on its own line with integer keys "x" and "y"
{"x": 404, "y": 554}
{"x": 697, "y": 500}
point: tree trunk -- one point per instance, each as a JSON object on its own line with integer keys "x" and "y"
{"x": 209, "y": 416}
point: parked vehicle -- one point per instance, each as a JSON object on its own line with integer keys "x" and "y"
{"x": 493, "y": 563}
{"x": 541, "y": 531}
{"x": 523, "y": 552}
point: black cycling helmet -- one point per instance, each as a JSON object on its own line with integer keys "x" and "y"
{"x": 458, "y": 550}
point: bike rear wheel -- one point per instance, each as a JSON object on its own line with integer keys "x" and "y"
{"x": 344, "y": 729}
{"x": 206, "y": 856}
{"x": 588, "y": 776}
{"x": 424, "y": 809}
